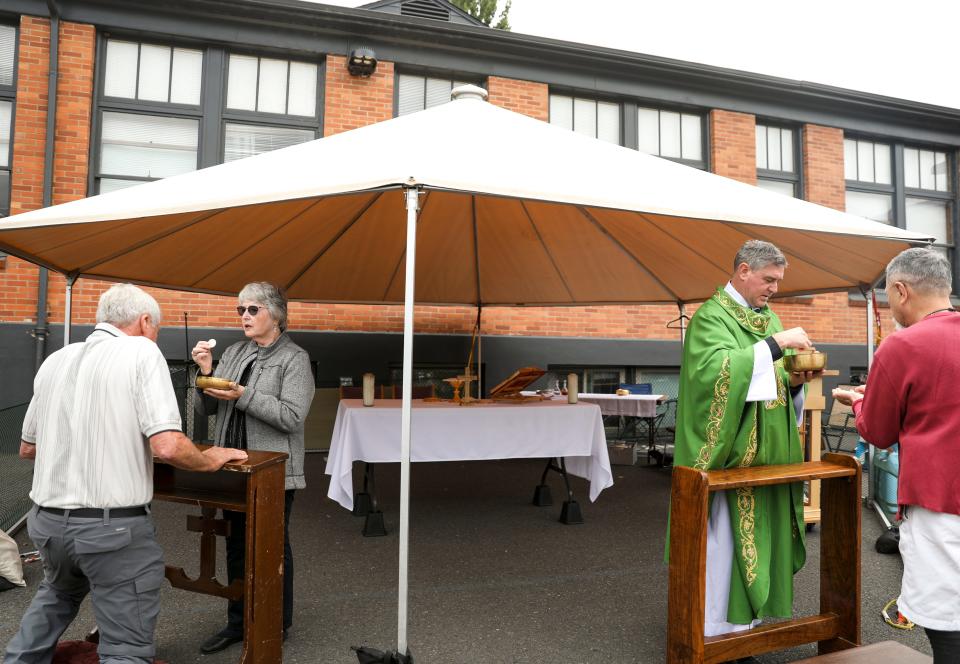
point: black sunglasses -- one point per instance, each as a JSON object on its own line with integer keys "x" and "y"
{"x": 253, "y": 309}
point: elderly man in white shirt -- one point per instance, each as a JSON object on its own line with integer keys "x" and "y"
{"x": 100, "y": 411}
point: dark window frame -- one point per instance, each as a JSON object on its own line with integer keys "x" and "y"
{"x": 212, "y": 114}
{"x": 8, "y": 93}
{"x": 445, "y": 75}
{"x": 597, "y": 99}
{"x": 796, "y": 177}
{"x": 652, "y": 104}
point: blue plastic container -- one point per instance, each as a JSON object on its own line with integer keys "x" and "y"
{"x": 888, "y": 473}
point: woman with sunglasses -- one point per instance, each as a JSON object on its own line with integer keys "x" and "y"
{"x": 264, "y": 409}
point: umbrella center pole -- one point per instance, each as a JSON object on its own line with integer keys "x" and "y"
{"x": 71, "y": 279}
{"x": 412, "y": 197}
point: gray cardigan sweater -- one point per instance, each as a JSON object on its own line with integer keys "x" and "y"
{"x": 276, "y": 399}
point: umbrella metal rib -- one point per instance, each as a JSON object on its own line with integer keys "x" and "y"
{"x": 546, "y": 249}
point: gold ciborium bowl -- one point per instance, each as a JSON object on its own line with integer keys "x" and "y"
{"x": 806, "y": 360}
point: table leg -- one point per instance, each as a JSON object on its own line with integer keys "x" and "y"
{"x": 373, "y": 525}
{"x": 570, "y": 512}
{"x": 361, "y": 501}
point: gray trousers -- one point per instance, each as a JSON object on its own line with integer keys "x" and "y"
{"x": 117, "y": 561}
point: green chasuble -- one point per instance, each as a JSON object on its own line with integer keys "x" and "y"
{"x": 717, "y": 428}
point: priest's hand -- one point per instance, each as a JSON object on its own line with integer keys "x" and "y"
{"x": 801, "y": 377}
{"x": 848, "y": 397}
{"x": 793, "y": 338}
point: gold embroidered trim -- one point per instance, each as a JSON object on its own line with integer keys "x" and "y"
{"x": 781, "y": 399}
{"x": 751, "y": 452}
{"x": 721, "y": 390}
{"x": 748, "y": 546}
{"x": 748, "y": 318}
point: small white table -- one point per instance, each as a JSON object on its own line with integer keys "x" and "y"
{"x": 443, "y": 431}
{"x": 630, "y": 405}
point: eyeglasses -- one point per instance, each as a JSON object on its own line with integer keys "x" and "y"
{"x": 253, "y": 309}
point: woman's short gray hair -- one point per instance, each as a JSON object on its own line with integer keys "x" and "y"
{"x": 270, "y": 296}
{"x": 926, "y": 270}
{"x": 758, "y": 254}
{"x": 123, "y": 304}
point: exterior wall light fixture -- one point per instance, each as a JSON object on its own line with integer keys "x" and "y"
{"x": 362, "y": 62}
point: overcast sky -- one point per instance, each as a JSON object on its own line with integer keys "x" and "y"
{"x": 895, "y": 48}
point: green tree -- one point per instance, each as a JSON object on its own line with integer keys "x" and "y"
{"x": 485, "y": 11}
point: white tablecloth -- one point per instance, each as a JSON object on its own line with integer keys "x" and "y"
{"x": 447, "y": 432}
{"x": 631, "y": 405}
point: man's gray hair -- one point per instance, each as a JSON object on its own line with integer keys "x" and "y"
{"x": 123, "y": 304}
{"x": 267, "y": 295}
{"x": 926, "y": 270}
{"x": 758, "y": 254}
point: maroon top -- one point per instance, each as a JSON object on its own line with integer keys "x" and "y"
{"x": 913, "y": 396}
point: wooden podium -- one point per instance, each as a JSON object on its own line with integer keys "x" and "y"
{"x": 255, "y": 486}
{"x": 810, "y": 433}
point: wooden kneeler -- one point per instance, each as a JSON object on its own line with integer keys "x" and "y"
{"x": 837, "y": 627}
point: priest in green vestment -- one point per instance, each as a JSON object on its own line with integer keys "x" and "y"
{"x": 737, "y": 408}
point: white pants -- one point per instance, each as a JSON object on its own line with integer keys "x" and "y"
{"x": 719, "y": 569}
{"x": 930, "y": 548}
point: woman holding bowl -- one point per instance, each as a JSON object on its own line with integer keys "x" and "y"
{"x": 264, "y": 409}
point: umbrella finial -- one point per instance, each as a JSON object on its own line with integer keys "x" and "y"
{"x": 468, "y": 92}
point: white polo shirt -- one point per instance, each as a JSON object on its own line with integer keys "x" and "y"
{"x": 94, "y": 406}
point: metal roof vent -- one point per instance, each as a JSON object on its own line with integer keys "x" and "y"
{"x": 424, "y": 9}
{"x": 468, "y": 92}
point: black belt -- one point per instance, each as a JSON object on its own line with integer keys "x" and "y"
{"x": 96, "y": 512}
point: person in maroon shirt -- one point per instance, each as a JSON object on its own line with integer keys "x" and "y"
{"x": 913, "y": 396}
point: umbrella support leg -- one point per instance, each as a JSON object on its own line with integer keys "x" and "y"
{"x": 373, "y": 525}
{"x": 541, "y": 494}
{"x": 361, "y": 501}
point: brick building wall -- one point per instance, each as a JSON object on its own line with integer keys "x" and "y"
{"x": 351, "y": 102}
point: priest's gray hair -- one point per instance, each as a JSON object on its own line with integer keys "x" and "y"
{"x": 758, "y": 254}
{"x": 123, "y": 304}
{"x": 267, "y": 295}
{"x": 926, "y": 270}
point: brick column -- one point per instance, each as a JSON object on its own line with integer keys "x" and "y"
{"x": 353, "y": 101}
{"x": 525, "y": 97}
{"x": 733, "y": 145}
{"x": 824, "y": 182}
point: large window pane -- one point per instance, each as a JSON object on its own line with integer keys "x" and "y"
{"x": 4, "y": 192}
{"x": 778, "y": 186}
{"x": 761, "y": 140}
{"x": 773, "y": 150}
{"x": 561, "y": 111}
{"x": 881, "y": 161}
{"x": 303, "y": 89}
{"x": 8, "y": 46}
{"x": 608, "y": 122}
{"x": 692, "y": 143}
{"x": 940, "y": 166}
{"x": 154, "y": 81}
{"x": 272, "y": 88}
{"x": 929, "y": 217}
{"x": 120, "y": 77}
{"x": 927, "y": 176}
{"x": 648, "y": 130}
{"x": 911, "y": 167}
{"x": 865, "y": 161}
{"x": 242, "y": 140}
{"x": 187, "y": 74}
{"x": 585, "y": 117}
{"x": 147, "y": 146}
{"x": 669, "y": 134}
{"x": 786, "y": 150}
{"x": 411, "y": 94}
{"x": 6, "y": 117}
{"x": 849, "y": 159}
{"x": 109, "y": 184}
{"x": 878, "y": 207}
{"x": 242, "y": 83}
{"x": 437, "y": 92}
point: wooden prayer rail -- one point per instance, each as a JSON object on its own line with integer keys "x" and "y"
{"x": 837, "y": 627}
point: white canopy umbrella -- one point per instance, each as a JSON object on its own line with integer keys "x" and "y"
{"x": 503, "y": 210}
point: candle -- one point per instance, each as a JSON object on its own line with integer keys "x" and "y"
{"x": 368, "y": 389}
{"x": 572, "y": 388}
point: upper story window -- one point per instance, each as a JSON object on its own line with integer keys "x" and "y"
{"x": 925, "y": 169}
{"x": 590, "y": 117}
{"x": 417, "y": 93}
{"x": 777, "y": 168}
{"x": 867, "y": 169}
{"x": 271, "y": 104}
{"x": 269, "y": 85}
{"x": 8, "y": 91}
{"x": 148, "y": 72}
{"x": 155, "y": 106}
{"x": 671, "y": 134}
